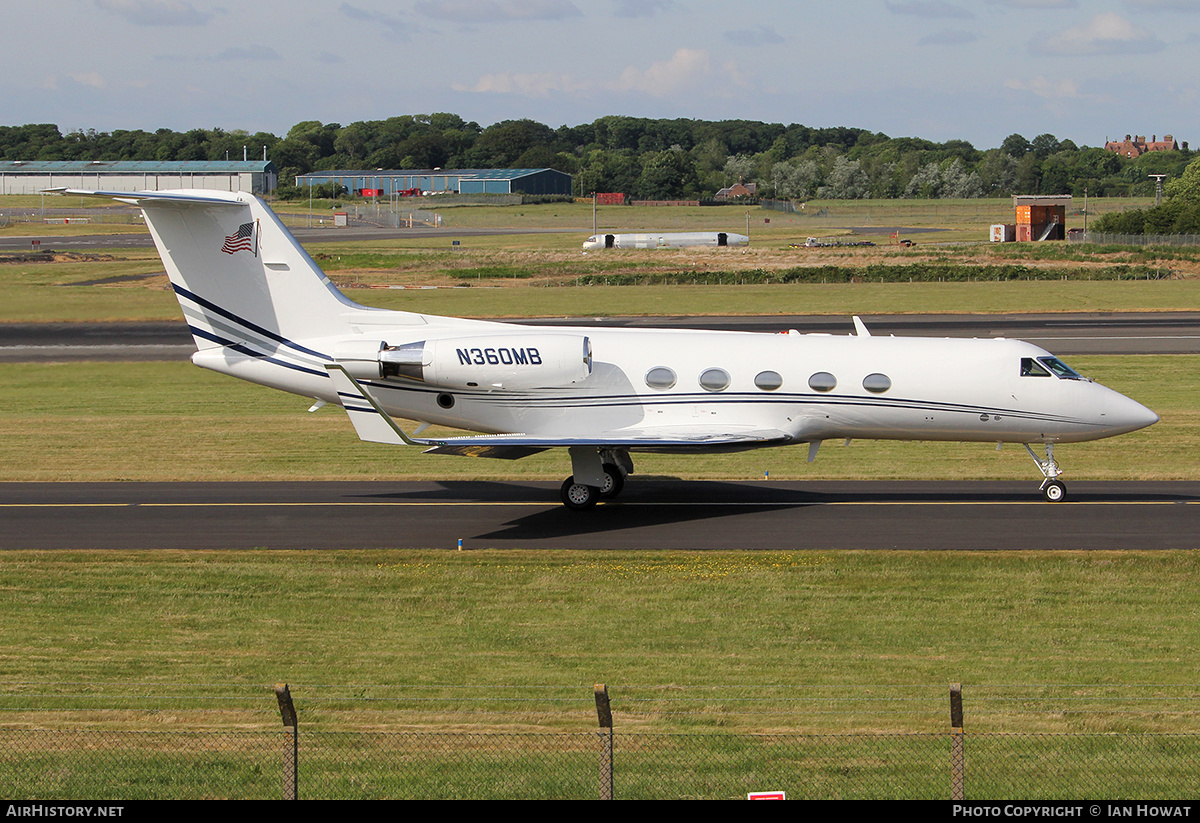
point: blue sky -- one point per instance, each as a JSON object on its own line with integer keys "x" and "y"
{"x": 977, "y": 70}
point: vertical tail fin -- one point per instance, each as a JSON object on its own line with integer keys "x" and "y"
{"x": 239, "y": 275}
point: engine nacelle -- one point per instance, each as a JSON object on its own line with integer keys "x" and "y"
{"x": 360, "y": 358}
{"x": 508, "y": 361}
{"x": 500, "y": 361}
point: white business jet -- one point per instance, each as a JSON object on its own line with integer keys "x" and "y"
{"x": 260, "y": 309}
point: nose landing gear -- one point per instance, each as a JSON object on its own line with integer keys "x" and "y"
{"x": 1053, "y": 489}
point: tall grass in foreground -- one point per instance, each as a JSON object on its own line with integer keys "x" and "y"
{"x": 812, "y": 642}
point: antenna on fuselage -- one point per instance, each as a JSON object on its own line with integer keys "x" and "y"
{"x": 860, "y": 328}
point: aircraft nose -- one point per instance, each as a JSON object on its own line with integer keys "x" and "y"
{"x": 1126, "y": 415}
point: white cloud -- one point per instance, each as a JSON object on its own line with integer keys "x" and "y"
{"x": 1045, "y": 88}
{"x": 763, "y": 36}
{"x": 685, "y": 69}
{"x": 396, "y": 26}
{"x": 524, "y": 84}
{"x": 929, "y": 8}
{"x": 497, "y": 11}
{"x": 156, "y": 12}
{"x": 642, "y": 8}
{"x": 1107, "y": 33}
{"x": 949, "y": 37}
{"x": 249, "y": 53}
{"x": 89, "y": 78}
{"x": 1036, "y": 4}
{"x": 1164, "y": 5}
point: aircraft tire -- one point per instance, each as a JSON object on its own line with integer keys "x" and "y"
{"x": 614, "y": 481}
{"x": 577, "y": 496}
{"x": 1054, "y": 491}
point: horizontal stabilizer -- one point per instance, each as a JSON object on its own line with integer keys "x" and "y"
{"x": 142, "y": 198}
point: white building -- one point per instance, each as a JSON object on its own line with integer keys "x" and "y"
{"x": 33, "y": 176}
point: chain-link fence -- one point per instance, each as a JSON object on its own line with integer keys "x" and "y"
{"x": 392, "y": 756}
{"x": 1103, "y": 239}
{"x": 121, "y": 765}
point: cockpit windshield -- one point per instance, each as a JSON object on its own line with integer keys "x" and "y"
{"x": 1046, "y": 366}
{"x": 1060, "y": 368}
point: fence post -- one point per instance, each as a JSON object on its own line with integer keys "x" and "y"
{"x": 604, "y": 714}
{"x": 958, "y": 775}
{"x": 291, "y": 757}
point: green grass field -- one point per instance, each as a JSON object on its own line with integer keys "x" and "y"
{"x": 129, "y": 285}
{"x": 709, "y": 640}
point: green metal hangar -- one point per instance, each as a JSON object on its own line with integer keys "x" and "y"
{"x": 33, "y": 176}
{"x": 384, "y": 183}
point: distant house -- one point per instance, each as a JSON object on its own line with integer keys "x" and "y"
{"x": 738, "y": 189}
{"x": 1135, "y": 146}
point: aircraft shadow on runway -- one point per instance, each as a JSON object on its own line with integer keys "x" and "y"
{"x": 646, "y": 490}
{"x": 650, "y": 502}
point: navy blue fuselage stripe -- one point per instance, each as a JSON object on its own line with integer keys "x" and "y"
{"x": 799, "y": 400}
{"x": 745, "y": 397}
{"x": 524, "y": 401}
{"x": 228, "y": 315}
{"x": 249, "y": 352}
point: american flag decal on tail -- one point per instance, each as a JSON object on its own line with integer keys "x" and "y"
{"x": 241, "y": 240}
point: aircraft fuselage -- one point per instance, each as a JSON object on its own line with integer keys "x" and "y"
{"x": 813, "y": 387}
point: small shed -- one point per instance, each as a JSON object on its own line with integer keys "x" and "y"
{"x": 1041, "y": 217}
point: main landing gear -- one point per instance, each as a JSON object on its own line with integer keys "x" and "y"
{"x": 1053, "y": 489}
{"x": 601, "y": 476}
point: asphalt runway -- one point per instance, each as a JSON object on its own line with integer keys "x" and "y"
{"x": 653, "y": 513}
{"x": 1064, "y": 333}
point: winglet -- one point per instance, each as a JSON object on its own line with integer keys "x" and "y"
{"x": 371, "y": 422}
{"x": 860, "y": 327}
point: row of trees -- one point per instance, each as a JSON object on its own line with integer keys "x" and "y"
{"x": 1180, "y": 214}
{"x": 647, "y": 158}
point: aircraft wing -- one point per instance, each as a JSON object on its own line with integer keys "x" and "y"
{"x": 375, "y": 425}
{"x": 661, "y": 438}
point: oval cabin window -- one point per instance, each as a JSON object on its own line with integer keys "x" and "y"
{"x": 822, "y": 381}
{"x": 660, "y": 377}
{"x": 714, "y": 380}
{"x": 877, "y": 383}
{"x": 768, "y": 380}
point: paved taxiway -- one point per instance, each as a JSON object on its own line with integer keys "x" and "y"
{"x": 653, "y": 513}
